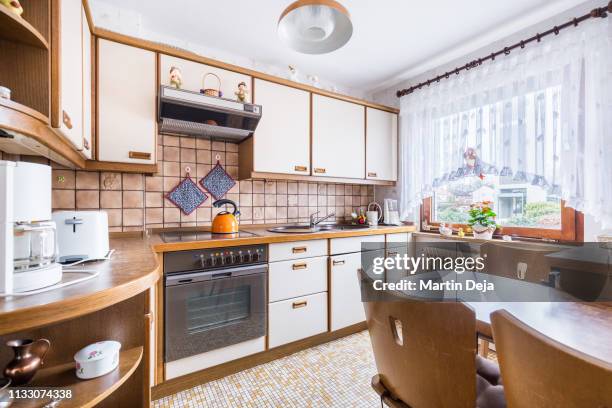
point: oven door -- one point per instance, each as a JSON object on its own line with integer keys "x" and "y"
{"x": 205, "y": 311}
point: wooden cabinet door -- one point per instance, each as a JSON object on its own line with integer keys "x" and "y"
{"x": 87, "y": 83}
{"x": 338, "y": 138}
{"x": 127, "y": 93}
{"x": 281, "y": 142}
{"x": 345, "y": 292}
{"x": 71, "y": 72}
{"x": 381, "y": 145}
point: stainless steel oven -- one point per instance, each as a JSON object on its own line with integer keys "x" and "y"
{"x": 214, "y": 298}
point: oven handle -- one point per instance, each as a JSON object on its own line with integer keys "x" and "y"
{"x": 174, "y": 280}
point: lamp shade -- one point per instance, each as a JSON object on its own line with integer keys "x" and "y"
{"x": 315, "y": 26}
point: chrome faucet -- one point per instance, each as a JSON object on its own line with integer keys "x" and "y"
{"x": 314, "y": 221}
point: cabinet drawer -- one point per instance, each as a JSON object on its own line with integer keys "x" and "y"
{"x": 296, "y": 250}
{"x": 398, "y": 240}
{"x": 289, "y": 279}
{"x": 297, "y": 318}
{"x": 353, "y": 244}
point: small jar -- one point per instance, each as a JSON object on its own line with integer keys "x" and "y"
{"x": 5, "y": 92}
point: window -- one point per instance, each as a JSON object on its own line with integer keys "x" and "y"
{"x": 506, "y": 152}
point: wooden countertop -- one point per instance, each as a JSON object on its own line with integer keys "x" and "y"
{"x": 263, "y": 236}
{"x": 133, "y": 269}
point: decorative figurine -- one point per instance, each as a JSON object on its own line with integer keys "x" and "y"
{"x": 242, "y": 92}
{"x": 13, "y": 5}
{"x": 176, "y": 77}
{"x": 460, "y": 233}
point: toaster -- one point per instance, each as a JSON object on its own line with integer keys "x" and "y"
{"x": 81, "y": 235}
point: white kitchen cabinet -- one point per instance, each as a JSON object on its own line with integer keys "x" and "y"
{"x": 289, "y": 279}
{"x": 127, "y": 98}
{"x": 282, "y": 139}
{"x": 338, "y": 138}
{"x": 354, "y": 244}
{"x": 193, "y": 72}
{"x": 87, "y": 77}
{"x": 345, "y": 292}
{"x": 283, "y": 251}
{"x": 295, "y": 319}
{"x": 381, "y": 145}
{"x": 70, "y": 65}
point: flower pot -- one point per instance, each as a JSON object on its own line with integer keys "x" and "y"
{"x": 482, "y": 232}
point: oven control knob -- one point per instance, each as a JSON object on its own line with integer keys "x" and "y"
{"x": 228, "y": 260}
{"x": 255, "y": 256}
{"x": 210, "y": 261}
{"x": 218, "y": 261}
{"x": 245, "y": 258}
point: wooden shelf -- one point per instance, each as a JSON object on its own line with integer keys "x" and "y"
{"x": 15, "y": 28}
{"x": 85, "y": 393}
{"x": 24, "y": 109}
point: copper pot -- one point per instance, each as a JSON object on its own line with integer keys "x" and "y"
{"x": 29, "y": 355}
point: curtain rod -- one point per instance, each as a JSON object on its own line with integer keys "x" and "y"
{"x": 600, "y": 12}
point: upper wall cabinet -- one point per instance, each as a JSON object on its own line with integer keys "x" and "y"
{"x": 195, "y": 78}
{"x": 87, "y": 86}
{"x": 127, "y": 100}
{"x": 67, "y": 114}
{"x": 281, "y": 142}
{"x": 381, "y": 145}
{"x": 338, "y": 138}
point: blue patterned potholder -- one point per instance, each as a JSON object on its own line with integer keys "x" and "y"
{"x": 217, "y": 182}
{"x": 187, "y": 196}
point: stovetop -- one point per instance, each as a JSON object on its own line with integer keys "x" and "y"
{"x": 190, "y": 236}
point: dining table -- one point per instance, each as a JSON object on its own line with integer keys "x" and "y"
{"x": 585, "y": 327}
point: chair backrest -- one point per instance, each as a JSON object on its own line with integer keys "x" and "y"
{"x": 425, "y": 352}
{"x": 538, "y": 372}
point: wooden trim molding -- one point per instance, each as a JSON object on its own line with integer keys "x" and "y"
{"x": 191, "y": 56}
{"x": 329, "y": 3}
{"x": 321, "y": 179}
{"x": 93, "y": 165}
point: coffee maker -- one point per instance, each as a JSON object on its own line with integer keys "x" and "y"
{"x": 28, "y": 242}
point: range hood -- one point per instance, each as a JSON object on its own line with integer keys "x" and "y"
{"x": 194, "y": 114}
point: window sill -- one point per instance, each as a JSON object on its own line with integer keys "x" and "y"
{"x": 471, "y": 239}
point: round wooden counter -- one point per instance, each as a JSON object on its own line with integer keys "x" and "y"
{"x": 133, "y": 269}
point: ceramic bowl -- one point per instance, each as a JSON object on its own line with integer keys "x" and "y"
{"x": 97, "y": 359}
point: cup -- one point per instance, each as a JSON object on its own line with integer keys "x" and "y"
{"x": 372, "y": 217}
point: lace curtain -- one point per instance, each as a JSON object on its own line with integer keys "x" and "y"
{"x": 541, "y": 115}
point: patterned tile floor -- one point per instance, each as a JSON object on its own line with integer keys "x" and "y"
{"x": 335, "y": 374}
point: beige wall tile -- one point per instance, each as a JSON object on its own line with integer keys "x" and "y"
{"x": 270, "y": 187}
{"x": 63, "y": 179}
{"x": 133, "y": 199}
{"x": 114, "y": 217}
{"x": 231, "y": 158}
{"x": 172, "y": 169}
{"x": 231, "y": 147}
{"x": 154, "y": 199}
{"x": 258, "y": 213}
{"x": 203, "y": 144}
{"x": 188, "y": 155}
{"x": 258, "y": 186}
{"x": 203, "y": 156}
{"x": 133, "y": 217}
{"x": 258, "y": 200}
{"x": 110, "y": 181}
{"x": 88, "y": 199}
{"x": 281, "y": 200}
{"x": 246, "y": 186}
{"x": 172, "y": 140}
{"x": 189, "y": 142}
{"x": 218, "y": 146}
{"x": 203, "y": 214}
{"x": 292, "y": 200}
{"x": 270, "y": 200}
{"x": 87, "y": 180}
{"x": 63, "y": 199}
{"x": 133, "y": 181}
{"x": 281, "y": 187}
{"x": 171, "y": 215}
{"x": 302, "y": 187}
{"x": 171, "y": 153}
{"x": 110, "y": 199}
{"x": 154, "y": 183}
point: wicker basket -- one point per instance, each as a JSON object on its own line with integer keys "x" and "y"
{"x": 211, "y": 91}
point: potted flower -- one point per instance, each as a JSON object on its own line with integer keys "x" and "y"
{"x": 482, "y": 220}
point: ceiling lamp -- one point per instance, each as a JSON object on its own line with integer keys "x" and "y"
{"x": 315, "y": 26}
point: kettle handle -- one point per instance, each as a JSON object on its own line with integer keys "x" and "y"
{"x": 224, "y": 201}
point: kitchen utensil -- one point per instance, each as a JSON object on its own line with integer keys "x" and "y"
{"x": 82, "y": 235}
{"x": 374, "y": 215}
{"x": 225, "y": 222}
{"x": 97, "y": 359}
{"x": 28, "y": 250}
{"x": 29, "y": 356}
{"x": 391, "y": 213}
{"x": 211, "y": 91}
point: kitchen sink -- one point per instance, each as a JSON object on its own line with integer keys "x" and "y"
{"x": 306, "y": 229}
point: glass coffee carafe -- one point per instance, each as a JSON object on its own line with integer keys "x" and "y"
{"x": 35, "y": 245}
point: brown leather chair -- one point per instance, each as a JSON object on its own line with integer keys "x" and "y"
{"x": 538, "y": 372}
{"x": 426, "y": 356}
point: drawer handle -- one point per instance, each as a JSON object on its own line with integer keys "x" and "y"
{"x": 372, "y": 174}
{"x": 86, "y": 144}
{"x": 297, "y": 266}
{"x": 297, "y": 305}
{"x": 66, "y": 119}
{"x": 298, "y": 250}
{"x": 300, "y": 168}
{"x": 319, "y": 170}
{"x": 391, "y": 253}
{"x": 140, "y": 155}
{"x": 342, "y": 262}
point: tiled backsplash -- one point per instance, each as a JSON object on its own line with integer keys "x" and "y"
{"x": 136, "y": 201}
